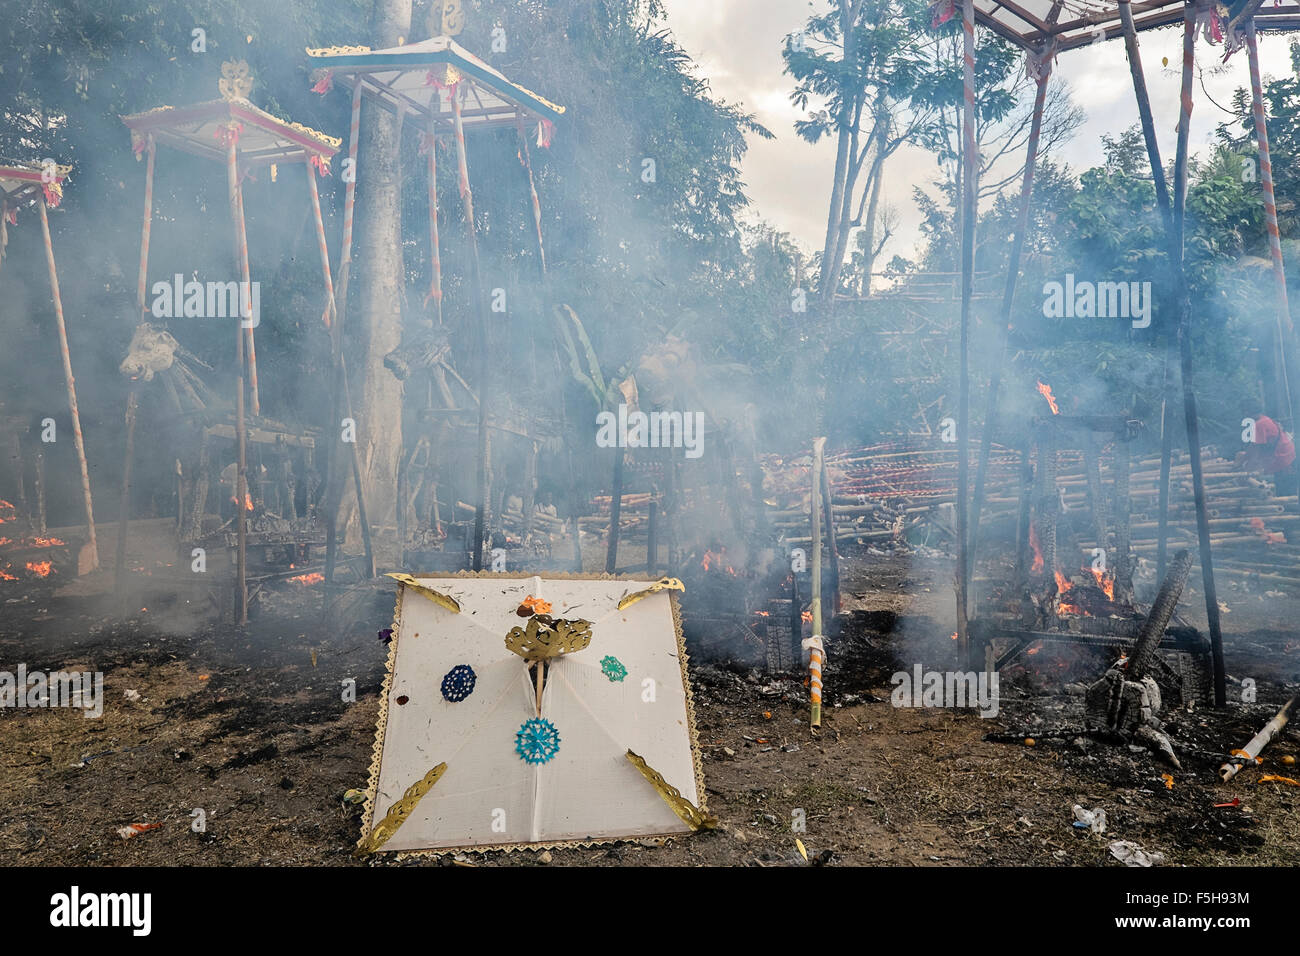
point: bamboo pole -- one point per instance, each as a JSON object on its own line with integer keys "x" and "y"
{"x": 246, "y": 323}
{"x": 476, "y": 293}
{"x": 833, "y": 548}
{"x": 1257, "y": 743}
{"x": 815, "y": 648}
{"x": 1008, "y": 299}
{"x": 1166, "y": 213}
{"x": 334, "y": 494}
{"x": 1185, "y": 355}
{"x": 526, "y": 157}
{"x": 241, "y": 431}
{"x": 1282, "y": 310}
{"x": 615, "y": 513}
{"x": 435, "y": 248}
{"x": 71, "y": 383}
{"x": 321, "y": 243}
{"x": 969, "y": 210}
{"x": 124, "y": 507}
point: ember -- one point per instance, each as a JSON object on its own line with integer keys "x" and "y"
{"x": 313, "y": 577}
{"x": 1038, "y": 552}
{"x": 248, "y": 501}
{"x": 710, "y": 559}
{"x": 37, "y": 542}
{"x": 41, "y": 569}
{"x": 1046, "y": 392}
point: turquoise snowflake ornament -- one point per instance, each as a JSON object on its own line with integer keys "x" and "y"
{"x": 613, "y": 668}
{"x": 537, "y": 741}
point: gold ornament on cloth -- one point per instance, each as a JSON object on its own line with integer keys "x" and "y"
{"x": 382, "y": 832}
{"x": 691, "y": 815}
{"x": 663, "y": 584}
{"x": 544, "y": 637}
{"x": 437, "y": 597}
{"x": 236, "y": 80}
{"x": 446, "y": 18}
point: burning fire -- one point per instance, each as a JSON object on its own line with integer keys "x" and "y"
{"x": 6, "y": 576}
{"x": 710, "y": 559}
{"x": 952, "y": 636}
{"x": 1062, "y": 586}
{"x": 43, "y": 542}
{"x": 1104, "y": 581}
{"x": 1038, "y": 552}
{"x": 41, "y": 569}
{"x": 806, "y": 617}
{"x": 248, "y": 501}
{"x": 1046, "y": 392}
{"x": 313, "y": 577}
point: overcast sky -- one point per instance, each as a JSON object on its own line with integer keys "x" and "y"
{"x": 737, "y": 46}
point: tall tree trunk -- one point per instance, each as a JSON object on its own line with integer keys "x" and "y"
{"x": 846, "y": 125}
{"x": 377, "y": 323}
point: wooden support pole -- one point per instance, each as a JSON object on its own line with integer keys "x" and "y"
{"x": 476, "y": 294}
{"x": 1008, "y": 296}
{"x": 833, "y": 548}
{"x": 969, "y": 200}
{"x": 615, "y": 513}
{"x": 1175, "y": 256}
{"x": 124, "y": 508}
{"x": 71, "y": 383}
{"x": 313, "y": 192}
{"x": 1285, "y": 328}
{"x": 1185, "y": 355}
{"x": 241, "y": 431}
{"x": 334, "y": 491}
{"x": 652, "y": 539}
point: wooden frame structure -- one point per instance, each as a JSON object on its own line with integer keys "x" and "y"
{"x": 235, "y": 132}
{"x": 442, "y": 88}
{"x": 1043, "y": 28}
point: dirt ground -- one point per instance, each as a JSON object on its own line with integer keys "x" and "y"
{"x": 250, "y": 727}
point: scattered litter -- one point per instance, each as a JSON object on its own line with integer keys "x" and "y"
{"x": 1235, "y": 802}
{"x": 135, "y": 829}
{"x": 1094, "y": 820}
{"x": 1168, "y": 778}
{"x": 802, "y": 852}
{"x": 545, "y": 856}
{"x": 1130, "y": 854}
{"x": 1289, "y": 760}
{"x": 131, "y": 694}
{"x": 354, "y": 796}
{"x": 1274, "y": 778}
{"x": 1030, "y": 741}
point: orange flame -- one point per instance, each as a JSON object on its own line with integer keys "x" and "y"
{"x": 806, "y": 616}
{"x": 6, "y": 576}
{"x": 248, "y": 501}
{"x": 43, "y": 542}
{"x": 536, "y": 605}
{"x": 952, "y": 636}
{"x": 1104, "y": 581}
{"x": 1046, "y": 392}
{"x": 1038, "y": 552}
{"x": 41, "y": 569}
{"x": 314, "y": 577}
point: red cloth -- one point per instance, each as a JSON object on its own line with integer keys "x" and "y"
{"x": 1266, "y": 431}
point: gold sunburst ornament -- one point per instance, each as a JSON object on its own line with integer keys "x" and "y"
{"x": 236, "y": 80}
{"x": 545, "y": 637}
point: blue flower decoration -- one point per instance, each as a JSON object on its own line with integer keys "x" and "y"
{"x": 537, "y": 741}
{"x": 459, "y": 683}
{"x": 613, "y": 668}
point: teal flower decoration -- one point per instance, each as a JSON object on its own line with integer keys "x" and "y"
{"x": 613, "y": 668}
{"x": 537, "y": 741}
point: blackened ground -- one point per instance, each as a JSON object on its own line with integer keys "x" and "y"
{"x": 251, "y": 728}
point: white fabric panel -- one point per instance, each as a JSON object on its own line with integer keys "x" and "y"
{"x": 489, "y": 795}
